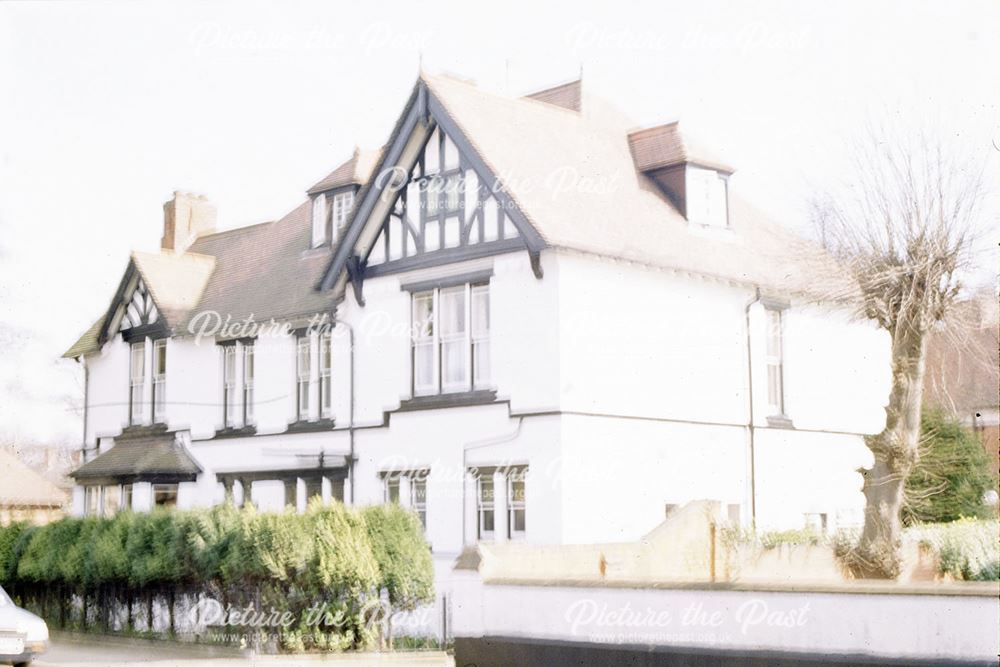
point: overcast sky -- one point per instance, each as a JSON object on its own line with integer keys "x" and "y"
{"x": 107, "y": 107}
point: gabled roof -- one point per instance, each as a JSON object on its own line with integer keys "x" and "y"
{"x": 265, "y": 270}
{"x": 20, "y": 486}
{"x": 573, "y": 178}
{"x": 152, "y": 453}
{"x": 354, "y": 171}
{"x": 175, "y": 283}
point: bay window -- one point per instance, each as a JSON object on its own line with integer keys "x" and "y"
{"x": 449, "y": 355}
{"x": 137, "y": 382}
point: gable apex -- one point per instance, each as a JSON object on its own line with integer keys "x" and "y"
{"x": 431, "y": 192}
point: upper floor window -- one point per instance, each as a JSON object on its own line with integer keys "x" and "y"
{"x": 137, "y": 382}
{"x": 330, "y": 214}
{"x": 229, "y": 385}
{"x": 237, "y": 384}
{"x": 775, "y": 362}
{"x": 159, "y": 380}
{"x": 325, "y": 375}
{"x": 342, "y": 204}
{"x": 707, "y": 199}
{"x": 319, "y": 221}
{"x": 303, "y": 375}
{"x": 248, "y": 383}
{"x": 449, "y": 355}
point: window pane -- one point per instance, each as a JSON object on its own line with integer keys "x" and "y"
{"x": 138, "y": 365}
{"x": 423, "y": 315}
{"x": 480, "y": 311}
{"x": 452, "y": 312}
{"x": 517, "y": 521}
{"x": 112, "y": 500}
{"x": 392, "y": 490}
{"x": 487, "y": 521}
{"x": 454, "y": 364}
{"x": 165, "y": 495}
{"x": 452, "y": 190}
{"x": 481, "y": 359}
{"x": 423, "y": 367}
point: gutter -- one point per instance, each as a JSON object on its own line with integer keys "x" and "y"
{"x": 750, "y": 415}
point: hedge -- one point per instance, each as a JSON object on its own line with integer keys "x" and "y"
{"x": 343, "y": 560}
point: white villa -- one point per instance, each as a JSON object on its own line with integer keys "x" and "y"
{"x": 522, "y": 317}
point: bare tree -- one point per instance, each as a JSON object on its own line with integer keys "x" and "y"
{"x": 904, "y": 228}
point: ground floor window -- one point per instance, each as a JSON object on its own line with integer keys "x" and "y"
{"x": 485, "y": 508}
{"x": 516, "y": 510}
{"x": 91, "y": 500}
{"x": 418, "y": 488}
{"x": 165, "y": 495}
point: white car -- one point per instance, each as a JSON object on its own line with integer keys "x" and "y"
{"x": 22, "y": 634}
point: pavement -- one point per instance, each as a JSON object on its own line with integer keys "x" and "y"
{"x": 90, "y": 651}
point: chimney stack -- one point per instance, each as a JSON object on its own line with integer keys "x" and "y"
{"x": 186, "y": 217}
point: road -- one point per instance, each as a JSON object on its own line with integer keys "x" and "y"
{"x": 75, "y": 651}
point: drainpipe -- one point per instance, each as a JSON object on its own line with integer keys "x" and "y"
{"x": 750, "y": 417}
{"x": 489, "y": 442}
{"x": 350, "y": 405}
{"x": 86, "y": 390}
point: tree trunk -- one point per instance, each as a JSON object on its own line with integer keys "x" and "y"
{"x": 895, "y": 450}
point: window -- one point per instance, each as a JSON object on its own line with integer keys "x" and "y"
{"x": 126, "y": 496}
{"x": 481, "y": 336}
{"x": 248, "y": 373}
{"x": 159, "y": 380}
{"x": 775, "y": 363}
{"x": 342, "y": 205}
{"x": 424, "y": 347}
{"x": 515, "y": 505}
{"x": 303, "y": 375}
{"x": 319, "y": 221}
{"x": 446, "y": 358}
{"x": 418, "y": 490}
{"x": 454, "y": 334}
{"x": 325, "y": 374}
{"x": 164, "y": 495}
{"x": 392, "y": 489}
{"x": 91, "y": 500}
{"x": 137, "y": 378}
{"x": 706, "y": 197}
{"x": 485, "y": 508}
{"x": 229, "y": 385}
{"x": 111, "y": 502}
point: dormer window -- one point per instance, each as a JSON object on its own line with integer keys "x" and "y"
{"x": 343, "y": 202}
{"x": 707, "y": 197}
{"x": 319, "y": 235}
{"x": 330, "y": 214}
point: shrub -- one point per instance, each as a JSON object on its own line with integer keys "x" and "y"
{"x": 952, "y": 475}
{"x": 403, "y": 555}
{"x": 331, "y": 560}
{"x": 968, "y": 548}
